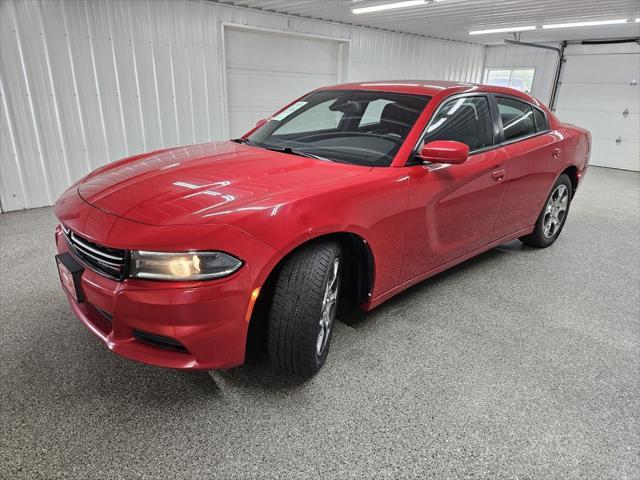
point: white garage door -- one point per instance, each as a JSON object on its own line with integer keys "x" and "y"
{"x": 600, "y": 91}
{"x": 265, "y": 71}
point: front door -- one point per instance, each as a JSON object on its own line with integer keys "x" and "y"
{"x": 453, "y": 208}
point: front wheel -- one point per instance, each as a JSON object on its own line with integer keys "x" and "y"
{"x": 304, "y": 307}
{"x": 553, "y": 215}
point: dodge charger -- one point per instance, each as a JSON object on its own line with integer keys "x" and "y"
{"x": 347, "y": 196}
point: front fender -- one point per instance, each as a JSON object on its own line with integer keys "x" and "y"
{"x": 373, "y": 209}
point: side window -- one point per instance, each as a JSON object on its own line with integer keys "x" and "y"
{"x": 517, "y": 118}
{"x": 373, "y": 112}
{"x": 541, "y": 120}
{"x": 315, "y": 118}
{"x": 466, "y": 120}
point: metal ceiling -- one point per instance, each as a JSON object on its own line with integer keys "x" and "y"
{"x": 453, "y": 19}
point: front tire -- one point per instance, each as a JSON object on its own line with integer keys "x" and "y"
{"x": 304, "y": 307}
{"x": 553, "y": 215}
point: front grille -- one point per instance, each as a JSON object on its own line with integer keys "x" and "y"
{"x": 106, "y": 261}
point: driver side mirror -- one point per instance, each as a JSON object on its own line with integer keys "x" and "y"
{"x": 445, "y": 151}
{"x": 260, "y": 122}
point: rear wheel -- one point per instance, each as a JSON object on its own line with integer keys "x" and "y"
{"x": 304, "y": 307}
{"x": 553, "y": 215}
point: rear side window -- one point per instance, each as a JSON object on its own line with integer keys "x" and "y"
{"x": 465, "y": 120}
{"x": 517, "y": 118}
{"x": 541, "y": 120}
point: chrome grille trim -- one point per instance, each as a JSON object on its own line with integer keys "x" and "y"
{"x": 84, "y": 246}
{"x": 96, "y": 258}
{"x": 106, "y": 261}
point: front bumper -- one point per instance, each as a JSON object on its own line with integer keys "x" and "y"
{"x": 182, "y": 325}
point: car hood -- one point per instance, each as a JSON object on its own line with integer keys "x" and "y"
{"x": 194, "y": 184}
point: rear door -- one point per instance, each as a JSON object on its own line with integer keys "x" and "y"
{"x": 534, "y": 155}
{"x": 453, "y": 208}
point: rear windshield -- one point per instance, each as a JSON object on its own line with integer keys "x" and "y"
{"x": 349, "y": 126}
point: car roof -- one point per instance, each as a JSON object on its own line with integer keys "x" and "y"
{"x": 429, "y": 87}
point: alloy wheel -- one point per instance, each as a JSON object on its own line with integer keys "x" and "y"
{"x": 555, "y": 211}
{"x": 329, "y": 303}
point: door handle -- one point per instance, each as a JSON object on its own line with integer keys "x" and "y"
{"x": 555, "y": 153}
{"x": 498, "y": 175}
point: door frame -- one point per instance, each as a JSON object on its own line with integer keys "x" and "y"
{"x": 344, "y": 45}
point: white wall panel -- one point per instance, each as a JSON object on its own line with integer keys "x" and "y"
{"x": 88, "y": 82}
{"x": 544, "y": 61}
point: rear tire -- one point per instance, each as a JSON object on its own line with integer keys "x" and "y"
{"x": 553, "y": 216}
{"x": 303, "y": 309}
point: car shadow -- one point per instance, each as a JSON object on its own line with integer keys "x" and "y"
{"x": 421, "y": 288}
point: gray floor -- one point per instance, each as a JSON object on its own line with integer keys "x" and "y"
{"x": 519, "y": 364}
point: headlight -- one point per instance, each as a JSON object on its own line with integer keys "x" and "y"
{"x": 182, "y": 266}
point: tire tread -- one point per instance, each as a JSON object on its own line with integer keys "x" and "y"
{"x": 296, "y": 308}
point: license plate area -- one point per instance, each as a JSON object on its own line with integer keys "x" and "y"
{"x": 70, "y": 271}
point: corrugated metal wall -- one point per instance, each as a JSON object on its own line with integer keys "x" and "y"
{"x": 84, "y": 83}
{"x": 515, "y": 56}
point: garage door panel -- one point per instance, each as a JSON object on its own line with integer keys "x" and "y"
{"x": 596, "y": 89}
{"x": 598, "y": 97}
{"x": 606, "y": 153}
{"x": 238, "y": 89}
{"x": 265, "y": 71}
{"x": 280, "y": 71}
{"x": 264, "y": 51}
{"x": 605, "y": 125}
{"x": 324, "y": 60}
{"x": 261, "y": 88}
{"x": 620, "y": 69}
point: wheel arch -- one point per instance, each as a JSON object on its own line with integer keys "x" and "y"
{"x": 359, "y": 271}
{"x": 358, "y": 256}
{"x": 572, "y": 172}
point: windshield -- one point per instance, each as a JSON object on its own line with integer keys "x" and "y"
{"x": 349, "y": 126}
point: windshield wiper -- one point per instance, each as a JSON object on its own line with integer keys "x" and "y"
{"x": 292, "y": 151}
{"x": 295, "y": 151}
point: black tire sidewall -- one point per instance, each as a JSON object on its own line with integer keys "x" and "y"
{"x": 296, "y": 308}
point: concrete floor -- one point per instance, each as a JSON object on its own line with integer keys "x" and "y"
{"x": 519, "y": 364}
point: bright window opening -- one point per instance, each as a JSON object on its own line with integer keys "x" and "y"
{"x": 518, "y": 78}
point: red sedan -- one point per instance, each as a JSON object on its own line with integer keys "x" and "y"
{"x": 350, "y": 194}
